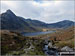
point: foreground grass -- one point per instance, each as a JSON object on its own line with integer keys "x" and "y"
{"x": 13, "y": 43}
{"x": 61, "y": 44}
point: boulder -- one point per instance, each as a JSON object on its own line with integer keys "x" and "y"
{"x": 66, "y": 48}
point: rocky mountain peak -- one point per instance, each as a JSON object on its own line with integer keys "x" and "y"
{"x": 9, "y": 12}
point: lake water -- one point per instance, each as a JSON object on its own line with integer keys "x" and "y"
{"x": 36, "y": 33}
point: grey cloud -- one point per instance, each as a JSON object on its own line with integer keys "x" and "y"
{"x": 49, "y": 14}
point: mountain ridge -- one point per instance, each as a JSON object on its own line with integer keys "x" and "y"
{"x": 10, "y": 21}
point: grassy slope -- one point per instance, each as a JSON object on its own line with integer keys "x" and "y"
{"x": 64, "y": 38}
{"x": 12, "y": 41}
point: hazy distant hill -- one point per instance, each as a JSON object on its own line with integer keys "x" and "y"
{"x": 9, "y": 21}
{"x": 62, "y": 24}
{"x": 36, "y": 24}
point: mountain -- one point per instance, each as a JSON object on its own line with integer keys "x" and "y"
{"x": 62, "y": 24}
{"x": 36, "y": 23}
{"x": 9, "y": 21}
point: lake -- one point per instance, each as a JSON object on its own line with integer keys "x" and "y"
{"x": 36, "y": 33}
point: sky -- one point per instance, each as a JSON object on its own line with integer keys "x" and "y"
{"x": 47, "y": 11}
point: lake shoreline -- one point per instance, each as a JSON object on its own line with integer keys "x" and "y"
{"x": 28, "y": 34}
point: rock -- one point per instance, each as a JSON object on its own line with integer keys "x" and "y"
{"x": 66, "y": 48}
{"x": 55, "y": 47}
{"x": 50, "y": 45}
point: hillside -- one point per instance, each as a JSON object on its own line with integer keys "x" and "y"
{"x": 12, "y": 43}
{"x": 63, "y": 37}
{"x": 64, "y": 34}
{"x": 9, "y": 21}
{"x": 62, "y": 24}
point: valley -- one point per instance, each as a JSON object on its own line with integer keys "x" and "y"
{"x": 20, "y": 36}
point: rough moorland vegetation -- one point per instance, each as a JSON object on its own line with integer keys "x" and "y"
{"x": 13, "y": 43}
{"x": 63, "y": 37}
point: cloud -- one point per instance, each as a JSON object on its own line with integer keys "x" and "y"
{"x": 47, "y": 11}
